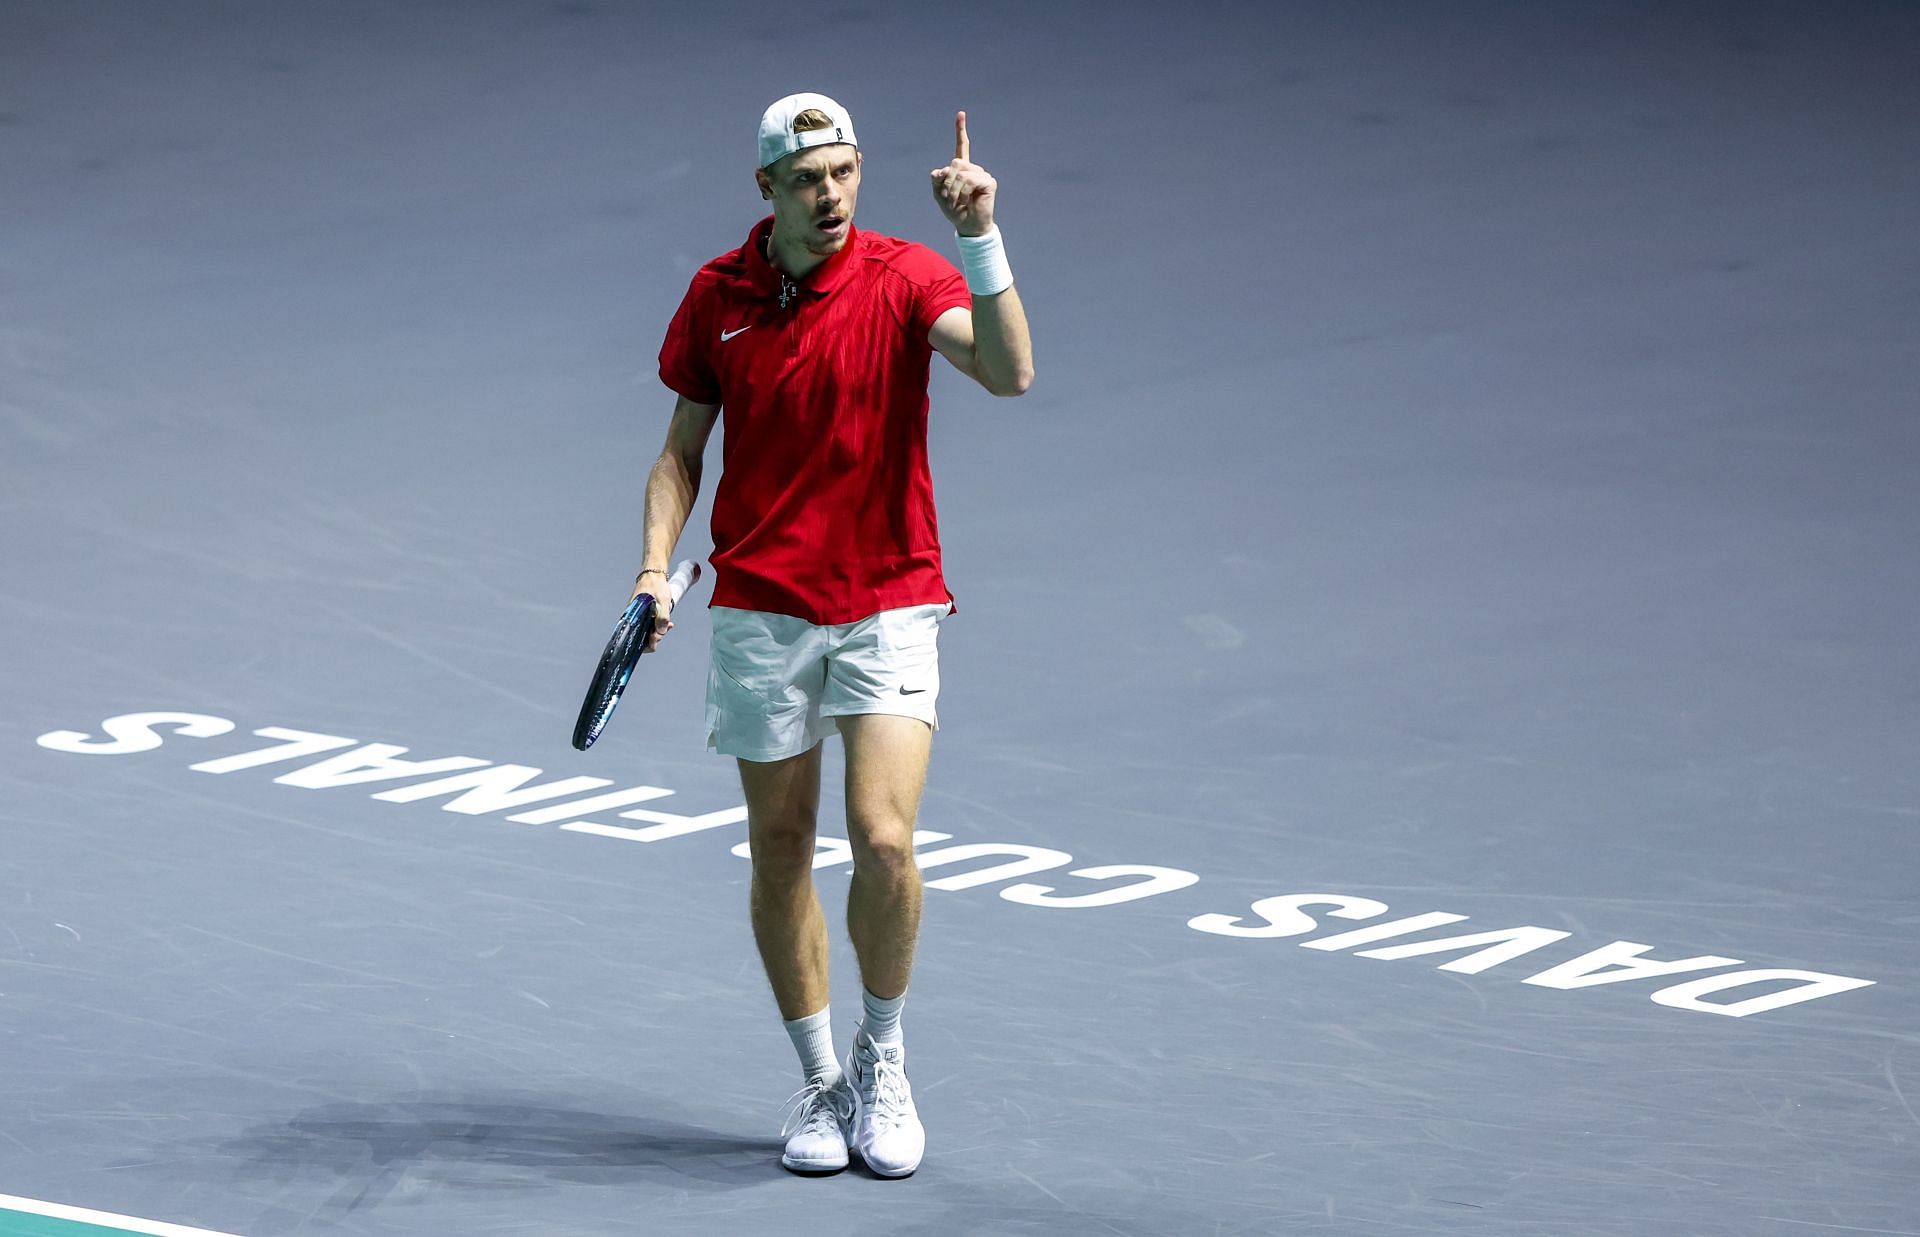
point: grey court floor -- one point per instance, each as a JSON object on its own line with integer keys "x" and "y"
{"x": 1470, "y": 496}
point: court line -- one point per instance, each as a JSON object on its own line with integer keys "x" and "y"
{"x": 1844, "y": 1228}
{"x": 105, "y": 1219}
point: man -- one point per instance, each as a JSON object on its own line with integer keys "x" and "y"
{"x": 816, "y": 339}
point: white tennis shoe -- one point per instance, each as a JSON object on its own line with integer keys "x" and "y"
{"x": 886, "y": 1130}
{"x": 819, "y": 1117}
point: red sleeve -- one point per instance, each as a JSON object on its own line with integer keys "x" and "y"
{"x": 685, "y": 364}
{"x": 937, "y": 285}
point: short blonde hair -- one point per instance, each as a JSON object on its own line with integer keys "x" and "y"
{"x": 811, "y": 119}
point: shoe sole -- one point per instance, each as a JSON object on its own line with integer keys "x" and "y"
{"x": 804, "y": 1168}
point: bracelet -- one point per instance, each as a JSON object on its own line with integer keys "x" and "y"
{"x": 984, "y": 260}
{"x": 650, "y": 571}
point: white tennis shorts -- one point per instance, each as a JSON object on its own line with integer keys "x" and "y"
{"x": 776, "y": 683}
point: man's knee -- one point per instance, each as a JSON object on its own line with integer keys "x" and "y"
{"x": 783, "y": 848}
{"x": 882, "y": 845}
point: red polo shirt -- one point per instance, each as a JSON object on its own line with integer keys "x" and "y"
{"x": 824, "y": 508}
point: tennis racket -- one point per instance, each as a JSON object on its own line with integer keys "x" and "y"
{"x": 622, "y": 654}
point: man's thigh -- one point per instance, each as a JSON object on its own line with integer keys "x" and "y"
{"x": 782, "y": 793}
{"x": 887, "y": 759}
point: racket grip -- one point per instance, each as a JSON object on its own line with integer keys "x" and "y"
{"x": 685, "y": 572}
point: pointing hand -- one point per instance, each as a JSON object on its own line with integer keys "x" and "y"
{"x": 963, "y": 189}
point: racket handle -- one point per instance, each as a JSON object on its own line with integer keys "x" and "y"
{"x": 685, "y": 572}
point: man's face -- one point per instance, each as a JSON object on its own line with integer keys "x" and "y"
{"x": 813, "y": 193}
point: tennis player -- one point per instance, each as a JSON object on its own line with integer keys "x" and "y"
{"x": 816, "y": 339}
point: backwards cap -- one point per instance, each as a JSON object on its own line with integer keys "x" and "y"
{"x": 778, "y": 138}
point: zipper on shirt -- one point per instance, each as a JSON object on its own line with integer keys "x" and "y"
{"x": 790, "y": 300}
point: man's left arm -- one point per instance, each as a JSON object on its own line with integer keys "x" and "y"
{"x": 990, "y": 344}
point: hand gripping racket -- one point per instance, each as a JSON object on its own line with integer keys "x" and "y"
{"x": 622, "y": 653}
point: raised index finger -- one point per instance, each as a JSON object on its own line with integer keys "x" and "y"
{"x": 961, "y": 147}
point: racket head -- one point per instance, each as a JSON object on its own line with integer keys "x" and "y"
{"x": 610, "y": 677}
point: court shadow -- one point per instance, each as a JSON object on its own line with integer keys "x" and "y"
{"x": 495, "y": 1143}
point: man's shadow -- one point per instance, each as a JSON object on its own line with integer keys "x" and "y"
{"x": 493, "y": 1143}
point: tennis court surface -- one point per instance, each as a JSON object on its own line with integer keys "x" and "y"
{"x": 1429, "y": 738}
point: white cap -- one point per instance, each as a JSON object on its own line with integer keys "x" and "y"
{"x": 778, "y": 139}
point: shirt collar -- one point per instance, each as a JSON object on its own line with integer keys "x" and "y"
{"x": 821, "y": 280}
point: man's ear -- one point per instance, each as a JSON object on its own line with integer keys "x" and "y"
{"x": 765, "y": 182}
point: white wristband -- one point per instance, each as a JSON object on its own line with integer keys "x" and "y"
{"x": 984, "y": 260}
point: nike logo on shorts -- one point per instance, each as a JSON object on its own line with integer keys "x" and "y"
{"x": 726, "y": 335}
{"x": 912, "y": 691}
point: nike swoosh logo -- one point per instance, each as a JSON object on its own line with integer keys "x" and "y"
{"x": 913, "y": 692}
{"x": 726, "y": 335}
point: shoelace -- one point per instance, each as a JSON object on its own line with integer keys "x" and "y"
{"x": 891, "y": 1095}
{"x": 810, "y": 1108}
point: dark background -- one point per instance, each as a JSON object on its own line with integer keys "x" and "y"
{"x": 1472, "y": 466}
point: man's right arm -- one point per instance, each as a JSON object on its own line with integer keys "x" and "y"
{"x": 672, "y": 486}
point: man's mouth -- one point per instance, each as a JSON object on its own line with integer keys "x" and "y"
{"x": 831, "y": 225}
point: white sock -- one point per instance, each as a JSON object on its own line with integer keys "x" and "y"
{"x": 882, "y": 1023}
{"x": 813, "y": 1040}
